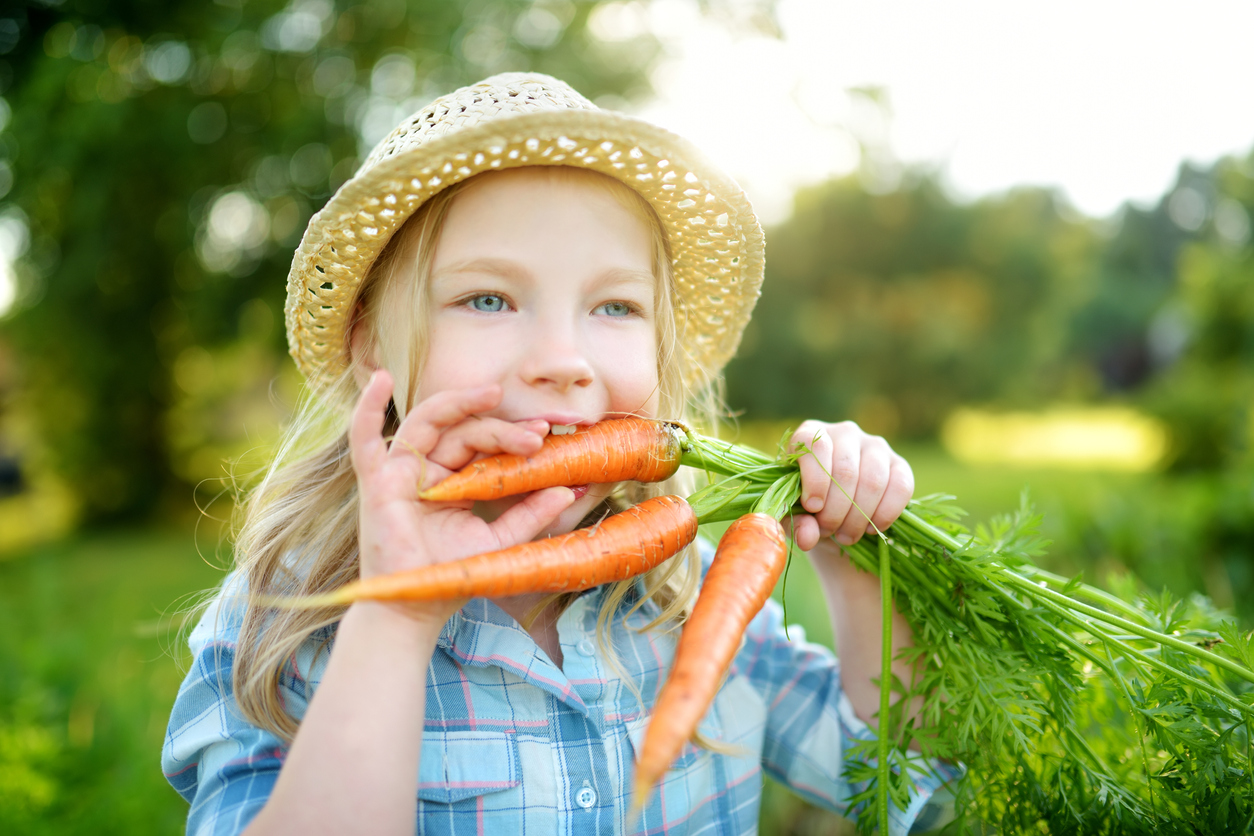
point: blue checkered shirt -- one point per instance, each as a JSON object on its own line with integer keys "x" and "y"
{"x": 514, "y": 744}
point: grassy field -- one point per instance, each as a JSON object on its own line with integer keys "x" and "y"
{"x": 91, "y": 660}
{"x": 87, "y": 681}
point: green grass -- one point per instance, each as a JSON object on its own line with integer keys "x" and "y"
{"x": 87, "y": 681}
{"x": 87, "y": 677}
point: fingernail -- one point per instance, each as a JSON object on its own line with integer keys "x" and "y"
{"x": 844, "y": 539}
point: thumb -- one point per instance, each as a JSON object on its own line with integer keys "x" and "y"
{"x": 524, "y": 521}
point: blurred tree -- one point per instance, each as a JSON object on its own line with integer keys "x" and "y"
{"x": 1136, "y": 275}
{"x": 163, "y": 160}
{"x": 1196, "y": 327}
{"x": 893, "y": 308}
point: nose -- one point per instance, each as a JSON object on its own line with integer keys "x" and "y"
{"x": 555, "y": 359}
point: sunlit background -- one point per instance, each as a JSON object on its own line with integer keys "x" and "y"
{"x": 1014, "y": 240}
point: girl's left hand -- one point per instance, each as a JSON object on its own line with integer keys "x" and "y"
{"x": 879, "y": 481}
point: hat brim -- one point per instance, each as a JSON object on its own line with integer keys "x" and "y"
{"x": 716, "y": 241}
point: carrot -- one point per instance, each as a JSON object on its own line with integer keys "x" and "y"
{"x": 749, "y": 560}
{"x": 619, "y": 547}
{"x": 609, "y": 451}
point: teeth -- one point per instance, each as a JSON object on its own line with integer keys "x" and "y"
{"x": 562, "y": 429}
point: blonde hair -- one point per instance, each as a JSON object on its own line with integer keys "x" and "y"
{"x": 299, "y": 528}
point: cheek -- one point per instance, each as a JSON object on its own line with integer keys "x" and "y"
{"x": 634, "y": 380}
{"x": 456, "y": 359}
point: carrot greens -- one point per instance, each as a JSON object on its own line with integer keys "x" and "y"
{"x": 1072, "y": 709}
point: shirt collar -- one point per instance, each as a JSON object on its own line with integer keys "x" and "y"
{"x": 481, "y": 634}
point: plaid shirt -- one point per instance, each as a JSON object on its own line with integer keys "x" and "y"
{"x": 515, "y": 745}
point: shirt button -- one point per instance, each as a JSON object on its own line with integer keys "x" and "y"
{"x": 586, "y": 647}
{"x": 586, "y": 796}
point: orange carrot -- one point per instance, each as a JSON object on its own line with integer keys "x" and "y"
{"x": 619, "y": 547}
{"x": 746, "y": 565}
{"x": 609, "y": 451}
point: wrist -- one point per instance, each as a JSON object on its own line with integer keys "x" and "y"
{"x": 827, "y": 550}
{"x": 410, "y": 627}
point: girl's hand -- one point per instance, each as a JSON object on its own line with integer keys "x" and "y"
{"x": 397, "y": 531}
{"x": 879, "y": 481}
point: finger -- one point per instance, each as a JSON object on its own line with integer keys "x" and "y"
{"x": 524, "y": 521}
{"x": 845, "y": 468}
{"x": 461, "y": 443}
{"x": 872, "y": 482}
{"x": 815, "y": 465}
{"x": 805, "y": 531}
{"x": 540, "y": 428}
{"x": 421, "y": 429}
{"x": 365, "y": 433}
{"x": 896, "y": 495}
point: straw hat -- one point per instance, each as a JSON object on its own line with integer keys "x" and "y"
{"x": 527, "y": 119}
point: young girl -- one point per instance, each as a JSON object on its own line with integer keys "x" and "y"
{"x": 512, "y": 262}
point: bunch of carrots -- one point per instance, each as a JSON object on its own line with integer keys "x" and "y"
{"x": 750, "y": 558}
{"x": 956, "y": 583}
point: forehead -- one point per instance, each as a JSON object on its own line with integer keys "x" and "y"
{"x": 554, "y": 206}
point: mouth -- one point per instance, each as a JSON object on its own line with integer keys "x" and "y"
{"x": 562, "y": 429}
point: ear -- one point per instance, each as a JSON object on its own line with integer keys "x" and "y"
{"x": 363, "y": 350}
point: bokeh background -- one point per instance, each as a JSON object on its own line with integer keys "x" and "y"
{"x": 1088, "y": 338}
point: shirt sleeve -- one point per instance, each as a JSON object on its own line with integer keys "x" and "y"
{"x": 224, "y": 766}
{"x": 811, "y": 727}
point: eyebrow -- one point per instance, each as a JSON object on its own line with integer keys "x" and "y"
{"x": 622, "y": 276}
{"x": 505, "y": 268}
{"x": 500, "y": 266}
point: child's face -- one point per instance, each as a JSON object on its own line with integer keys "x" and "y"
{"x": 543, "y": 285}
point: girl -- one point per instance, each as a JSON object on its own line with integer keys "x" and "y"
{"x": 511, "y": 262}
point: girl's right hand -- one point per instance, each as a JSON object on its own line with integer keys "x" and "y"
{"x": 397, "y": 531}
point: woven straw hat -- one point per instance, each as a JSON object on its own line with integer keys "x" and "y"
{"x": 526, "y": 119}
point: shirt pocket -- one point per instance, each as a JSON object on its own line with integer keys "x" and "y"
{"x": 463, "y": 767}
{"x": 710, "y": 729}
{"x": 735, "y": 723}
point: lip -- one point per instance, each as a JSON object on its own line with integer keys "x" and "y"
{"x": 562, "y": 418}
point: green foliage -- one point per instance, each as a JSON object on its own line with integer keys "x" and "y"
{"x": 893, "y": 308}
{"x": 1186, "y": 532}
{"x": 913, "y": 305}
{"x": 1205, "y": 394}
{"x": 87, "y": 680}
{"x": 1074, "y": 711}
{"x": 132, "y": 123}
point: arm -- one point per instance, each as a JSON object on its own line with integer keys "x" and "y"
{"x": 853, "y": 604}
{"x": 845, "y": 462}
{"x": 360, "y": 765}
{"x": 353, "y": 765}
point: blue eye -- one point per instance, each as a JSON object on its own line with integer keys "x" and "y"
{"x": 487, "y": 303}
{"x": 616, "y": 308}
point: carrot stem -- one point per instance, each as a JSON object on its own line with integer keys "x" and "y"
{"x": 886, "y": 678}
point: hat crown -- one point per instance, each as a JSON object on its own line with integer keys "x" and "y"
{"x": 503, "y": 95}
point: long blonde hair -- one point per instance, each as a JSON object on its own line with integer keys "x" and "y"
{"x": 299, "y": 529}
